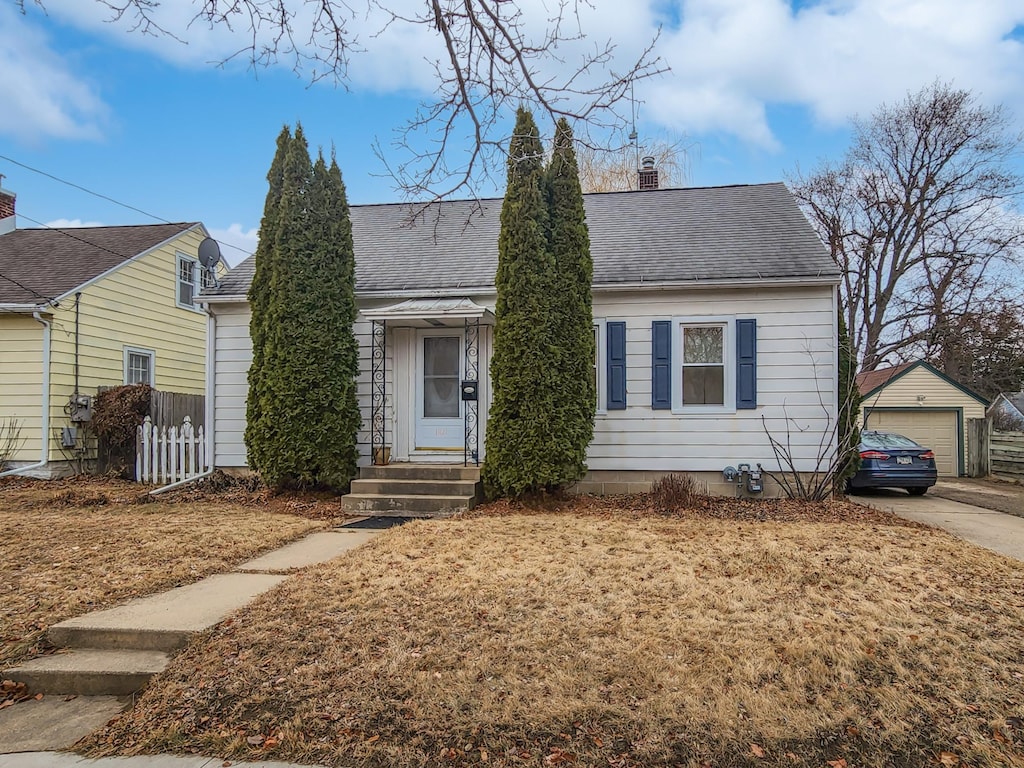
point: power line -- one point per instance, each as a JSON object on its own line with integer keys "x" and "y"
{"x": 100, "y": 196}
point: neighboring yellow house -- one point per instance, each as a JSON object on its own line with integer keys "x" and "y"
{"x": 919, "y": 401}
{"x": 87, "y": 307}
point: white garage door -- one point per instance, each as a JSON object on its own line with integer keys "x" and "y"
{"x": 934, "y": 429}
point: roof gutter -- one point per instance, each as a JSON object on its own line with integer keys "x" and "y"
{"x": 44, "y": 451}
{"x": 809, "y": 281}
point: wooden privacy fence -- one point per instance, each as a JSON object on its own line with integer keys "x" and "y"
{"x": 169, "y": 454}
{"x": 174, "y": 407}
{"x": 1006, "y": 454}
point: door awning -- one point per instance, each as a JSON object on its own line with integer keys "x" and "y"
{"x": 435, "y": 312}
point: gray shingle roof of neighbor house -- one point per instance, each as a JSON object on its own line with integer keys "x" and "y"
{"x": 40, "y": 264}
{"x": 657, "y": 236}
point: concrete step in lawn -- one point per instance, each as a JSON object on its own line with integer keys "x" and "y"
{"x": 90, "y": 672}
{"x": 165, "y": 621}
{"x": 115, "y": 652}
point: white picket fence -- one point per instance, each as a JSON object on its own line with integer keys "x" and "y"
{"x": 169, "y": 454}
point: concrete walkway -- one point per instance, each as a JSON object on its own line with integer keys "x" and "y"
{"x": 114, "y": 652}
{"x": 987, "y": 528}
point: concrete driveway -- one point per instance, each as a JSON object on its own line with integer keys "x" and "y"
{"x": 985, "y": 527}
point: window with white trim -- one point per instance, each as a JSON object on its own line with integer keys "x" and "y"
{"x": 186, "y": 282}
{"x": 192, "y": 277}
{"x": 704, "y": 375}
{"x": 139, "y": 365}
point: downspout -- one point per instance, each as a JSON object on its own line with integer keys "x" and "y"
{"x": 211, "y": 332}
{"x": 44, "y": 457}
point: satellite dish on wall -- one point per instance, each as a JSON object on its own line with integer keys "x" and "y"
{"x": 209, "y": 253}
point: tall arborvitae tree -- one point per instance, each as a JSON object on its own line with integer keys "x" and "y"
{"x": 258, "y": 294}
{"x": 572, "y": 316}
{"x": 307, "y": 407}
{"x": 519, "y": 456}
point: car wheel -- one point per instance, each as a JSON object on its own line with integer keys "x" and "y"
{"x": 916, "y": 491}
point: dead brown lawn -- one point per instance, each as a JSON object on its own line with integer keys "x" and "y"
{"x": 621, "y": 639}
{"x": 74, "y": 546}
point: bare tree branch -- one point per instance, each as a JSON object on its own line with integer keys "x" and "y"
{"x": 491, "y": 62}
{"x": 917, "y": 216}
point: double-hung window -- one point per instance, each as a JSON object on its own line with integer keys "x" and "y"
{"x": 187, "y": 273}
{"x": 703, "y": 364}
{"x": 192, "y": 277}
{"x": 139, "y": 365}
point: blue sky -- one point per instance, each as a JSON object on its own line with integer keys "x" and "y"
{"x": 756, "y": 87}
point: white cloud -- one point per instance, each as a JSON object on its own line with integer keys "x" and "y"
{"x": 71, "y": 223}
{"x": 236, "y": 242}
{"x": 731, "y": 59}
{"x": 41, "y": 94}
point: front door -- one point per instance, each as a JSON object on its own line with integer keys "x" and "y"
{"x": 439, "y": 419}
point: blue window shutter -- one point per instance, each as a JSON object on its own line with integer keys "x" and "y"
{"x": 746, "y": 364}
{"x": 616, "y": 332}
{"x": 661, "y": 365}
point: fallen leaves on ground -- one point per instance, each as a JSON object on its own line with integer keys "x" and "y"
{"x": 581, "y": 634}
{"x": 72, "y": 546}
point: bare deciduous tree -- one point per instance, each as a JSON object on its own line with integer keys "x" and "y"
{"x": 489, "y": 62}
{"x": 918, "y": 215}
{"x": 616, "y": 170}
{"x": 981, "y": 348}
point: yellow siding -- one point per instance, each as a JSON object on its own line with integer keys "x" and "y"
{"x": 133, "y": 306}
{"x": 938, "y": 393}
{"x": 21, "y": 379}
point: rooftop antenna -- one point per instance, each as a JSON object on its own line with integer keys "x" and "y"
{"x": 633, "y": 138}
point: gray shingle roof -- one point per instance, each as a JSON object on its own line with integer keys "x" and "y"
{"x": 667, "y": 235}
{"x": 39, "y": 264}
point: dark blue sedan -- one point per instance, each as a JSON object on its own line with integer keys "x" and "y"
{"x": 888, "y": 460}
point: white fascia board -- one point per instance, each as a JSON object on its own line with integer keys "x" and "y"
{"x": 126, "y": 262}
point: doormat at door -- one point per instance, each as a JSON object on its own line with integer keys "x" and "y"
{"x": 376, "y": 523}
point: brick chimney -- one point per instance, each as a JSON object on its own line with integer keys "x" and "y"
{"x": 648, "y": 174}
{"x": 7, "y": 218}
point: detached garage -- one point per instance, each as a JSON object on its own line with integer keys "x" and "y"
{"x": 921, "y": 402}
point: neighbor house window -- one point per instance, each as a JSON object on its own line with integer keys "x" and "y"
{"x": 703, "y": 374}
{"x": 189, "y": 272}
{"x": 138, "y": 366}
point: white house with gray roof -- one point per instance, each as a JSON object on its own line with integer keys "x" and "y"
{"x": 715, "y": 312}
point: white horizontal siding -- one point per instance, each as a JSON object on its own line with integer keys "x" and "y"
{"x": 796, "y": 349}
{"x": 796, "y": 346}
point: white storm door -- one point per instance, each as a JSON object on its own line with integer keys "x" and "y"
{"x": 439, "y": 418}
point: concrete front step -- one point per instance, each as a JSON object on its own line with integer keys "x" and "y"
{"x": 413, "y": 504}
{"x": 90, "y": 672}
{"x": 406, "y": 487}
{"x": 165, "y": 621}
{"x": 402, "y": 471}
